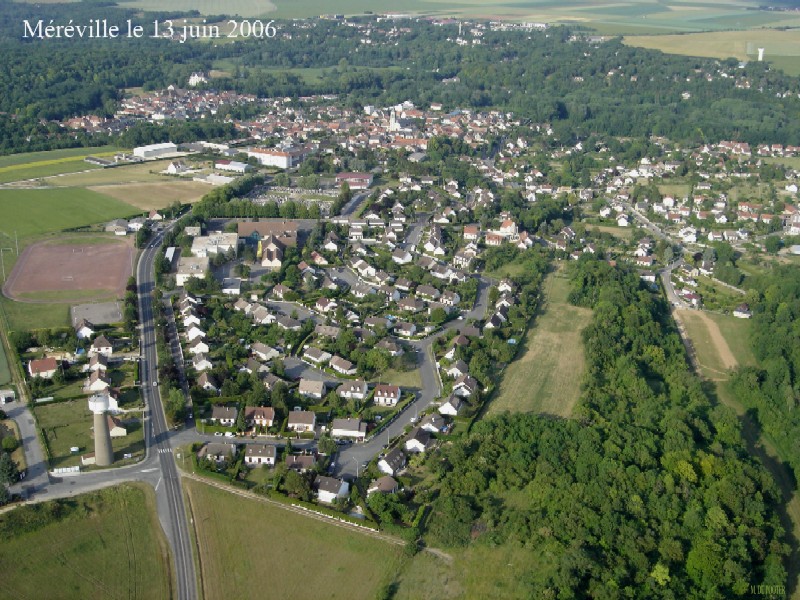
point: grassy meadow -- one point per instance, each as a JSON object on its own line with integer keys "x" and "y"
{"x": 546, "y": 377}
{"x": 302, "y": 557}
{"x": 106, "y": 544}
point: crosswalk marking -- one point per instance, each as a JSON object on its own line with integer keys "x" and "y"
{"x": 164, "y": 450}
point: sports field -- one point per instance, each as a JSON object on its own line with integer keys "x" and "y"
{"x": 106, "y": 544}
{"x": 30, "y": 165}
{"x": 54, "y": 270}
{"x": 35, "y": 212}
{"x": 546, "y": 378}
{"x": 249, "y": 549}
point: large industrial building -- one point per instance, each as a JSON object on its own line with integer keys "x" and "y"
{"x": 155, "y": 150}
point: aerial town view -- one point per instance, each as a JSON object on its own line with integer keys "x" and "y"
{"x": 441, "y": 300}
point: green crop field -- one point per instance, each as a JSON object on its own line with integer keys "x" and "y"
{"x": 106, "y": 544}
{"x": 33, "y": 165}
{"x": 546, "y": 378}
{"x": 300, "y": 557}
{"x": 36, "y": 212}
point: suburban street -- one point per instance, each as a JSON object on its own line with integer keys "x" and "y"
{"x": 169, "y": 494}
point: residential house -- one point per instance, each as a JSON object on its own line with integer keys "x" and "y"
{"x": 418, "y": 440}
{"x": 465, "y": 386}
{"x": 201, "y": 363}
{"x": 84, "y": 330}
{"x": 389, "y": 346}
{"x": 198, "y": 346}
{"x": 98, "y": 362}
{"x": 101, "y": 345}
{"x": 343, "y": 366}
{"x": 433, "y": 423}
{"x": 260, "y": 454}
{"x": 451, "y": 406}
{"x": 402, "y": 257}
{"x": 115, "y": 427}
{"x": 383, "y": 485}
{"x": 311, "y": 389}
{"x": 349, "y": 428}
{"x": 330, "y": 489}
{"x": 301, "y": 462}
{"x": 97, "y": 382}
{"x": 259, "y": 416}
{"x": 217, "y": 453}
{"x": 404, "y": 329}
{"x": 206, "y": 382}
{"x": 194, "y": 332}
{"x": 386, "y": 395}
{"x": 457, "y": 369}
{"x": 316, "y": 355}
{"x": 742, "y": 311}
{"x": 357, "y": 389}
{"x": 301, "y": 420}
{"x": 392, "y": 462}
{"x": 224, "y": 415}
{"x": 264, "y": 352}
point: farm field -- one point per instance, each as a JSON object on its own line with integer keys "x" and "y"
{"x": 608, "y": 18}
{"x": 106, "y": 544}
{"x": 781, "y": 46}
{"x": 31, "y": 165}
{"x": 156, "y": 195}
{"x": 305, "y": 558}
{"x": 36, "y": 212}
{"x": 546, "y": 378}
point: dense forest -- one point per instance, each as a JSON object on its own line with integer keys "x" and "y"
{"x": 648, "y": 493}
{"x": 773, "y": 388}
{"x": 578, "y": 86}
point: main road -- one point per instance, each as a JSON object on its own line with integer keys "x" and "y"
{"x": 169, "y": 494}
